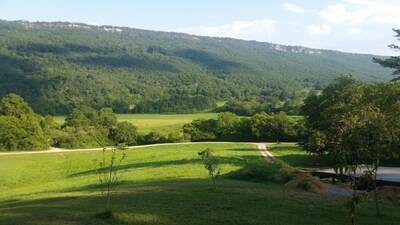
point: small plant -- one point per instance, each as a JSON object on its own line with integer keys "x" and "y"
{"x": 353, "y": 202}
{"x": 211, "y": 164}
{"x": 109, "y": 175}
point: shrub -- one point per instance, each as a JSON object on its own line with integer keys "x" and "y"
{"x": 260, "y": 170}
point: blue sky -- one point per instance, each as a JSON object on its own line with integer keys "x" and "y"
{"x": 359, "y": 26}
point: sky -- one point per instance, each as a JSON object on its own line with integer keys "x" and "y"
{"x": 357, "y": 26}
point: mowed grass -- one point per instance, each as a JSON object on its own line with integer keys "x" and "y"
{"x": 162, "y": 185}
{"x": 160, "y": 122}
{"x": 295, "y": 156}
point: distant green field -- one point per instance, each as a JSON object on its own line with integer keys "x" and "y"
{"x": 163, "y": 185}
{"x": 149, "y": 122}
{"x": 162, "y": 122}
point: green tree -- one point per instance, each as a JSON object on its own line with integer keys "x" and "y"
{"x": 14, "y": 105}
{"x": 86, "y": 127}
{"x": 21, "y": 128}
{"x": 273, "y": 127}
{"x": 154, "y": 137}
{"x": 392, "y": 62}
{"x": 106, "y": 118}
{"x": 124, "y": 133}
{"x": 227, "y": 125}
{"x": 201, "y": 129}
{"x": 83, "y": 117}
{"x": 258, "y": 124}
{"x": 356, "y": 124}
{"x": 11, "y": 133}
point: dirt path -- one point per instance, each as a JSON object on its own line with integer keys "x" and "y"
{"x": 264, "y": 151}
{"x": 261, "y": 147}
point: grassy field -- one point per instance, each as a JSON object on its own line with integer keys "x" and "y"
{"x": 293, "y": 155}
{"x": 161, "y": 122}
{"x": 163, "y": 185}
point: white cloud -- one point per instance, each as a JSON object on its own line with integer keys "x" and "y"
{"x": 357, "y": 1}
{"x": 250, "y": 30}
{"x": 337, "y": 14}
{"x": 353, "y": 31}
{"x": 383, "y": 12}
{"x": 292, "y": 8}
{"x": 316, "y": 31}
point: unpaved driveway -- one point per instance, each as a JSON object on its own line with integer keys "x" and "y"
{"x": 264, "y": 151}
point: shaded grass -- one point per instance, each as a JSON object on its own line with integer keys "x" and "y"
{"x": 295, "y": 156}
{"x": 162, "y": 185}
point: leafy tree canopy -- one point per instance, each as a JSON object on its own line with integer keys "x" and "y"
{"x": 131, "y": 70}
{"x": 392, "y": 62}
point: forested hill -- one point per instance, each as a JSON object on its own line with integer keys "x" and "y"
{"x": 57, "y": 66}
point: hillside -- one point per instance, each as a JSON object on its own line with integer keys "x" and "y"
{"x": 57, "y": 66}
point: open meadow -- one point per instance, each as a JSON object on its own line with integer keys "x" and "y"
{"x": 160, "y": 122}
{"x": 163, "y": 122}
{"x": 166, "y": 184}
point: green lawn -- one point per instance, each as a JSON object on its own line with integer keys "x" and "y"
{"x": 161, "y": 122}
{"x": 162, "y": 185}
{"x": 294, "y": 155}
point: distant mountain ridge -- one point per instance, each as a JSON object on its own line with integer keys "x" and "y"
{"x": 56, "y": 66}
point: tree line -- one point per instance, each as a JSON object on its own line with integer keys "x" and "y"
{"x": 230, "y": 127}
{"x": 85, "y": 127}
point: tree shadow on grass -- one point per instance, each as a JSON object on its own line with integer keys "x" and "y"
{"x": 155, "y": 202}
{"x": 278, "y": 147}
{"x": 141, "y": 165}
{"x": 307, "y": 161}
{"x": 291, "y": 155}
{"x": 237, "y": 161}
{"x": 185, "y": 202}
{"x": 175, "y": 201}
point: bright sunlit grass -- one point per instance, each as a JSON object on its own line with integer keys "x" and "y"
{"x": 160, "y": 122}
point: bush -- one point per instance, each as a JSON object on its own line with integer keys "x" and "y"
{"x": 259, "y": 170}
{"x": 155, "y": 137}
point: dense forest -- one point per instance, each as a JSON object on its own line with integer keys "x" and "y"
{"x": 58, "y": 66}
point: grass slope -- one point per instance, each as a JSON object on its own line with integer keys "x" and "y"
{"x": 162, "y": 185}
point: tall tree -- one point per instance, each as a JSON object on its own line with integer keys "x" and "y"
{"x": 356, "y": 124}
{"x": 393, "y": 61}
